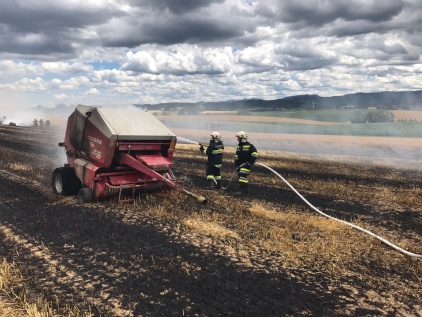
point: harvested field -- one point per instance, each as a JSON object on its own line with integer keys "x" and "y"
{"x": 219, "y": 112}
{"x": 249, "y": 119}
{"x": 408, "y": 114}
{"x": 382, "y": 147}
{"x": 167, "y": 256}
{"x": 311, "y": 138}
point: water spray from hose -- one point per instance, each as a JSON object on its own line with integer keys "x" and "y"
{"x": 186, "y": 141}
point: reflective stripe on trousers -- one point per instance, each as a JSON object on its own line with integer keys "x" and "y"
{"x": 213, "y": 172}
{"x": 243, "y": 175}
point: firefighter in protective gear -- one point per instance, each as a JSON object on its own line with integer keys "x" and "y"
{"x": 41, "y": 122}
{"x": 47, "y": 123}
{"x": 35, "y": 122}
{"x": 215, "y": 159}
{"x": 246, "y": 154}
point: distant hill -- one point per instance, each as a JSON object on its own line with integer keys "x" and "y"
{"x": 59, "y": 109}
{"x": 385, "y": 99}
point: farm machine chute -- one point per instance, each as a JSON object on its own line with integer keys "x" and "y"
{"x": 113, "y": 152}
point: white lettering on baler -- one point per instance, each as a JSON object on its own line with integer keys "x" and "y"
{"x": 95, "y": 140}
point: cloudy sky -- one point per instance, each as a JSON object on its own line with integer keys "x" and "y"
{"x": 108, "y": 52}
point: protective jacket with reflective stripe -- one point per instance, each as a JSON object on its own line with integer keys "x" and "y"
{"x": 215, "y": 152}
{"x": 246, "y": 152}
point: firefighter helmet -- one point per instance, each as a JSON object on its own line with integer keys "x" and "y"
{"x": 242, "y": 135}
{"x": 216, "y": 135}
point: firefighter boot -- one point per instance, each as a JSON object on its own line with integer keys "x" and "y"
{"x": 211, "y": 185}
{"x": 245, "y": 188}
{"x": 241, "y": 189}
{"x": 218, "y": 184}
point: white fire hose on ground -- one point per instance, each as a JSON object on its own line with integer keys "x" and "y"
{"x": 342, "y": 221}
{"x": 414, "y": 255}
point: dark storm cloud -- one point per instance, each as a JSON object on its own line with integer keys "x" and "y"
{"x": 35, "y": 45}
{"x": 415, "y": 39}
{"x": 407, "y": 23}
{"x": 173, "y": 31}
{"x": 53, "y": 29}
{"x": 36, "y": 28}
{"x": 264, "y": 10}
{"x": 300, "y": 64}
{"x": 175, "y": 6}
{"x": 321, "y": 12}
{"x": 302, "y": 55}
{"x": 394, "y": 49}
{"x": 37, "y": 17}
{"x": 165, "y": 22}
{"x": 380, "y": 45}
{"x": 377, "y": 49}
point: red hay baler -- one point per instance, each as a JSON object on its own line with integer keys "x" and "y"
{"x": 114, "y": 152}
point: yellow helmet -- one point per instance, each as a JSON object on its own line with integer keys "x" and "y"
{"x": 242, "y": 134}
{"x": 216, "y": 135}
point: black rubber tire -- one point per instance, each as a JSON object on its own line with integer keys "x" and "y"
{"x": 84, "y": 195}
{"x": 65, "y": 181}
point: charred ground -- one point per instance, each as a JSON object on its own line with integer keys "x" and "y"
{"x": 165, "y": 256}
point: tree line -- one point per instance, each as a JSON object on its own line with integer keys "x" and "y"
{"x": 372, "y": 117}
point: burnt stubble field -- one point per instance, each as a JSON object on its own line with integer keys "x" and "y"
{"x": 269, "y": 255}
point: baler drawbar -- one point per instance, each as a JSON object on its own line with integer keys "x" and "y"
{"x": 115, "y": 152}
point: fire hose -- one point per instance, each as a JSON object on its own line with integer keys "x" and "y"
{"x": 397, "y": 248}
{"x": 342, "y": 221}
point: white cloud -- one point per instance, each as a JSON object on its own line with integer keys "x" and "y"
{"x": 11, "y": 68}
{"x": 123, "y": 90}
{"x": 180, "y": 59}
{"x": 30, "y": 85}
{"x": 92, "y": 92}
{"x": 61, "y": 97}
{"x": 162, "y": 50}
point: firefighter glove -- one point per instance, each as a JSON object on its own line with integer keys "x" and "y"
{"x": 201, "y": 148}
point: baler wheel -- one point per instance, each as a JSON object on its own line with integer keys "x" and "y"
{"x": 65, "y": 181}
{"x": 84, "y": 195}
